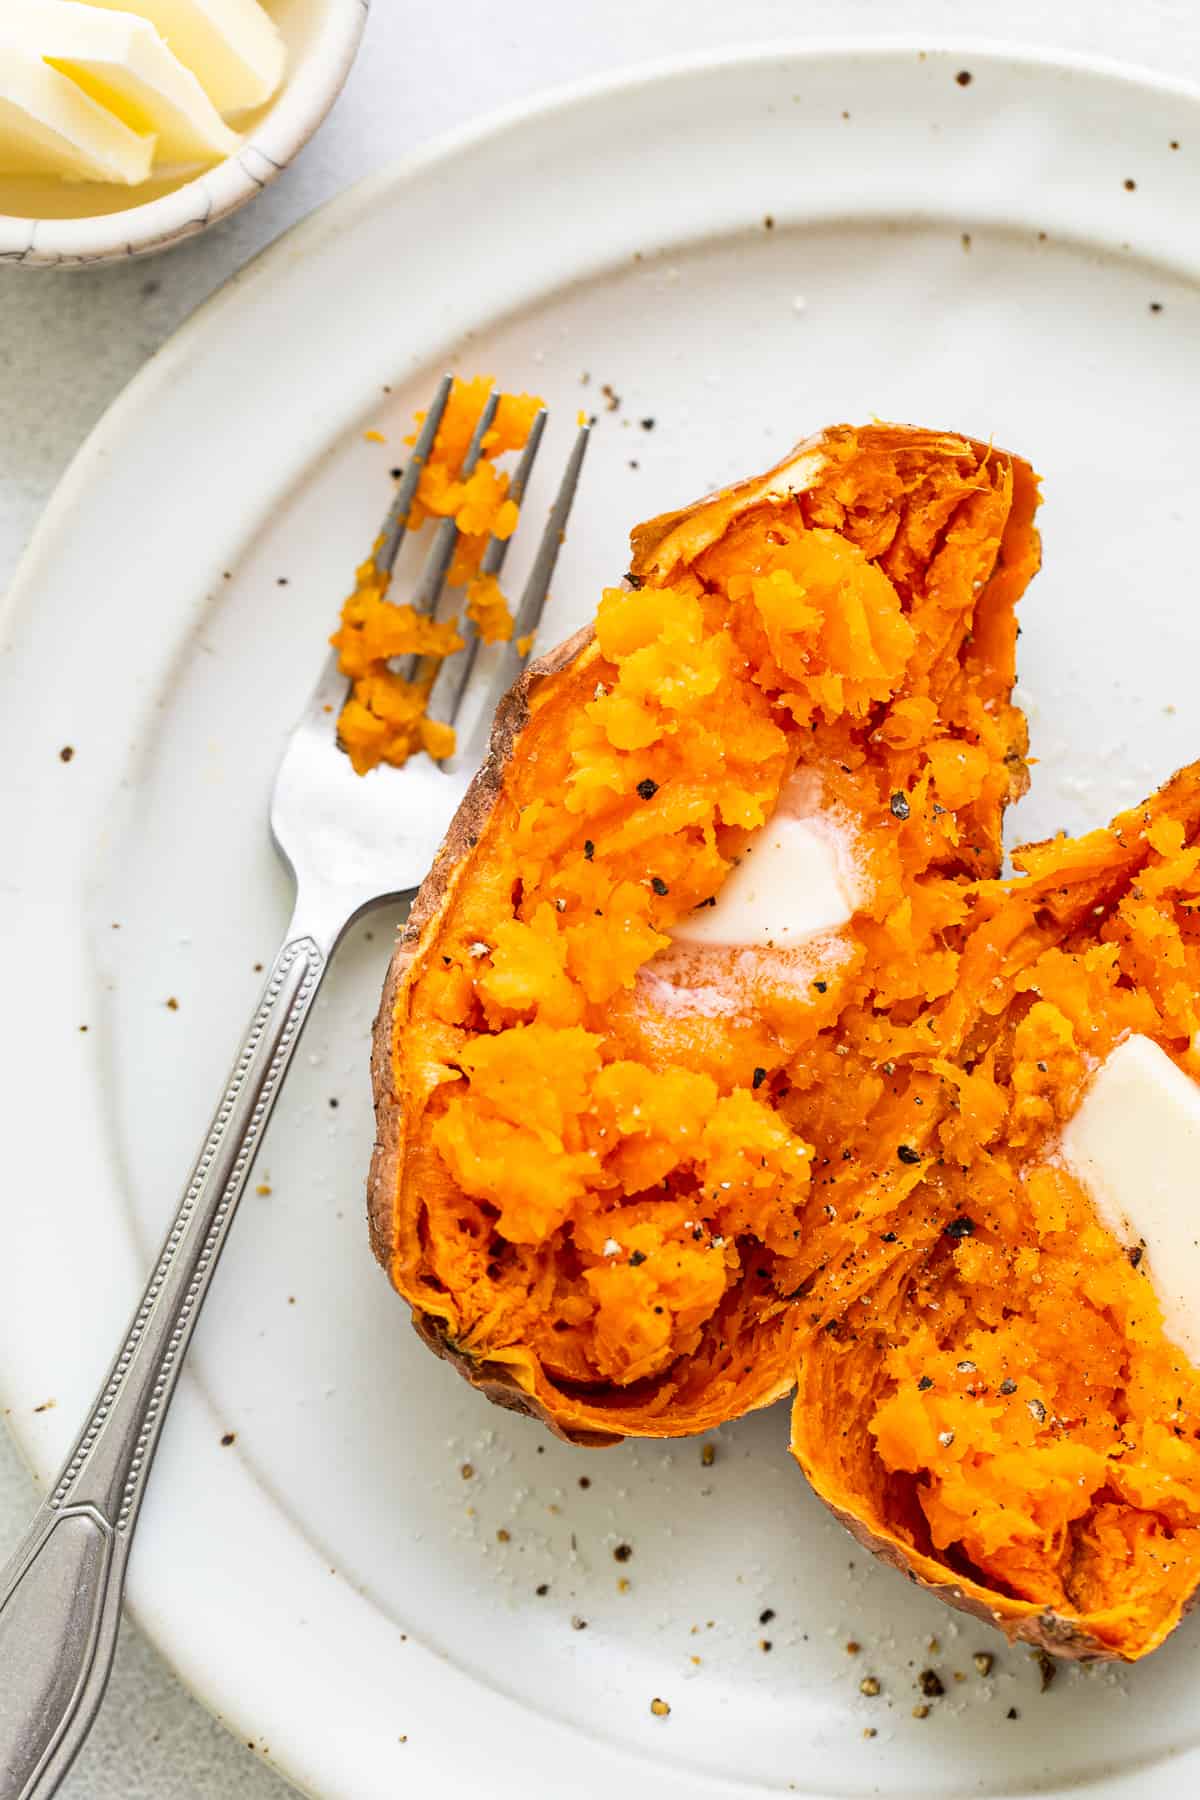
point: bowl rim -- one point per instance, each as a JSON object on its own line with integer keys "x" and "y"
{"x": 212, "y": 194}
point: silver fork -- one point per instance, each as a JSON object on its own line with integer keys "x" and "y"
{"x": 352, "y": 843}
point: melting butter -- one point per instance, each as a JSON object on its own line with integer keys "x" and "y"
{"x": 1134, "y": 1144}
{"x": 796, "y": 880}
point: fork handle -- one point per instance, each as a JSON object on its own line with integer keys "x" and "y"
{"x": 60, "y": 1593}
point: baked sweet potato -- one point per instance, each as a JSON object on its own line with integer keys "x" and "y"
{"x": 609, "y": 1166}
{"x": 1002, "y": 1414}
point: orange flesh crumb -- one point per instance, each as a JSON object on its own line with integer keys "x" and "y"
{"x": 623, "y": 1201}
{"x": 1007, "y": 1406}
{"x": 384, "y": 718}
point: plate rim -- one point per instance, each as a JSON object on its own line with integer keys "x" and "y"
{"x": 303, "y": 240}
{"x": 306, "y": 233}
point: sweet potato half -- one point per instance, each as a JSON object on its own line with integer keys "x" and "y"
{"x": 612, "y": 1171}
{"x": 1003, "y": 1414}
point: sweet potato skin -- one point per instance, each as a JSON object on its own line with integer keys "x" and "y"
{"x": 1020, "y": 1621}
{"x": 660, "y": 548}
{"x": 494, "y": 1380}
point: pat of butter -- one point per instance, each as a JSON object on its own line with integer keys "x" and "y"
{"x": 123, "y": 63}
{"x": 48, "y": 125}
{"x": 1134, "y": 1144}
{"x": 790, "y": 885}
{"x": 233, "y": 47}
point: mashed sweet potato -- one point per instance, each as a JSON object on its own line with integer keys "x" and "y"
{"x": 385, "y": 718}
{"x": 1001, "y": 1410}
{"x": 609, "y": 1183}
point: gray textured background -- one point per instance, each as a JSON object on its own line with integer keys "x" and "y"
{"x": 69, "y": 343}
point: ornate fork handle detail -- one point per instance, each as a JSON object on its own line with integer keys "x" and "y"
{"x": 60, "y": 1594}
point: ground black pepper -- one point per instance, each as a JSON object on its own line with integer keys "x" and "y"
{"x": 647, "y": 789}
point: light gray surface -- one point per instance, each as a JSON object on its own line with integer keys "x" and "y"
{"x": 69, "y": 342}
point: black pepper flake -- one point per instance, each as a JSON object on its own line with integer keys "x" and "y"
{"x": 542, "y": 1588}
{"x": 589, "y": 850}
{"x": 888, "y": 1237}
{"x": 578, "y": 1624}
{"x": 1129, "y": 184}
{"x": 647, "y": 424}
{"x": 647, "y": 789}
{"x": 900, "y": 806}
{"x": 925, "y": 1383}
{"x": 964, "y": 78}
{"x": 1008, "y": 1385}
{"x": 395, "y": 474}
{"x": 229, "y": 1438}
{"x": 1135, "y": 1254}
{"x": 907, "y": 1154}
{"x": 766, "y": 1615}
{"x": 822, "y": 987}
{"x": 931, "y": 1684}
{"x": 1012, "y": 1713}
{"x": 637, "y": 1258}
{"x": 622, "y": 1553}
{"x": 66, "y": 753}
{"x": 960, "y": 1228}
{"x": 659, "y": 885}
{"x": 760, "y": 1075}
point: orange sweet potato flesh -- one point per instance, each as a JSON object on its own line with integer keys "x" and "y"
{"x": 1000, "y": 1412}
{"x": 608, "y": 1191}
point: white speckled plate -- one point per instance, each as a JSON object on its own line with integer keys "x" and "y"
{"x": 385, "y": 1584}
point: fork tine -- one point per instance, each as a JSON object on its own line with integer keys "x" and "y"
{"x": 396, "y": 523}
{"x": 432, "y": 579}
{"x": 533, "y": 600}
{"x": 537, "y": 587}
{"x": 459, "y": 668}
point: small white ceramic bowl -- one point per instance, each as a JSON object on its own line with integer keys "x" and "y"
{"x": 49, "y": 223}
